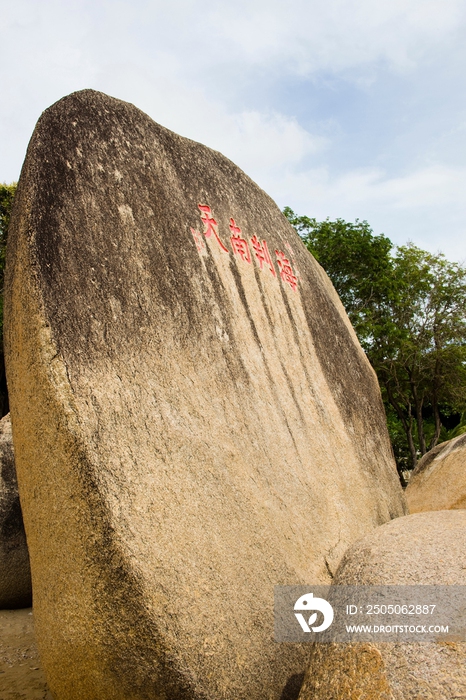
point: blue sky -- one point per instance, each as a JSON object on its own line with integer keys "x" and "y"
{"x": 339, "y": 108}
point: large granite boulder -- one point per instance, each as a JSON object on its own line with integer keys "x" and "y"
{"x": 439, "y": 480}
{"x": 424, "y": 549}
{"x": 15, "y": 572}
{"x": 202, "y": 421}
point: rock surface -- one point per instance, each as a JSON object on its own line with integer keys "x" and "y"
{"x": 424, "y": 548}
{"x": 439, "y": 480}
{"x": 203, "y": 422}
{"x": 15, "y": 572}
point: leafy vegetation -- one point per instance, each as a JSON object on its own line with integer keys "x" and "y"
{"x": 7, "y": 193}
{"x": 408, "y": 308}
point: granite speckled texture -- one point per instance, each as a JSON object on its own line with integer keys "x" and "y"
{"x": 439, "y": 480}
{"x": 419, "y": 549}
{"x": 203, "y": 421}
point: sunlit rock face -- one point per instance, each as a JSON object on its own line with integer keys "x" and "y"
{"x": 424, "y": 549}
{"x": 439, "y": 480}
{"x": 203, "y": 422}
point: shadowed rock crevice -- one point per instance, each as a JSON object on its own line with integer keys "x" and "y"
{"x": 292, "y": 687}
{"x": 15, "y": 573}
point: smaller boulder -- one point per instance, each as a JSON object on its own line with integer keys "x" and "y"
{"x": 15, "y": 573}
{"x": 424, "y": 548}
{"x": 439, "y": 480}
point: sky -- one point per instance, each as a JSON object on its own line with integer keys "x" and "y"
{"x": 337, "y": 108}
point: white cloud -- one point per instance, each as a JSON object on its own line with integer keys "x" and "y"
{"x": 431, "y": 186}
{"x": 426, "y": 205}
{"x": 262, "y": 141}
{"x": 307, "y": 36}
{"x": 193, "y": 66}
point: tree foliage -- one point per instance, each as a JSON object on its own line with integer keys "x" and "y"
{"x": 408, "y": 308}
{"x": 7, "y": 193}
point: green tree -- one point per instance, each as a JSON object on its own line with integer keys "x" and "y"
{"x": 358, "y": 263}
{"x": 420, "y": 359}
{"x": 408, "y": 308}
{"x": 7, "y": 193}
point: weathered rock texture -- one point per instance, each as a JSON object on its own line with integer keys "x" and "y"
{"x": 424, "y": 548}
{"x": 439, "y": 480}
{"x": 202, "y": 429}
{"x": 15, "y": 572}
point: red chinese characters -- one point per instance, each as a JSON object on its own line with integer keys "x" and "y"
{"x": 198, "y": 240}
{"x": 239, "y": 244}
{"x": 286, "y": 271}
{"x": 261, "y": 252}
{"x": 210, "y": 224}
{"x": 241, "y": 247}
